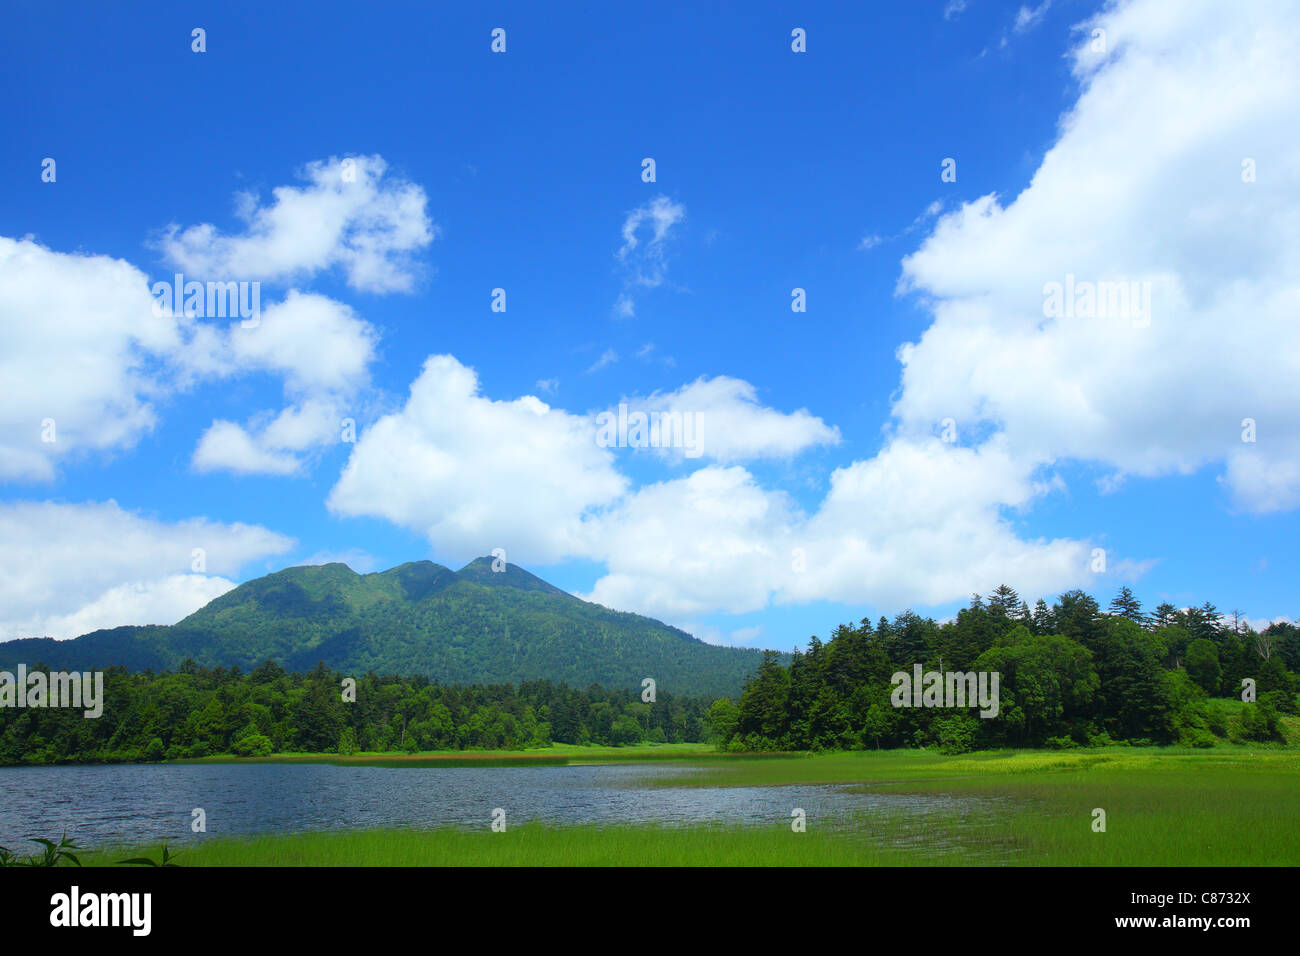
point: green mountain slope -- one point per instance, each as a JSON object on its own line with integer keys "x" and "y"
{"x": 469, "y": 626}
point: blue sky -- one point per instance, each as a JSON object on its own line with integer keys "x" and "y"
{"x": 522, "y": 170}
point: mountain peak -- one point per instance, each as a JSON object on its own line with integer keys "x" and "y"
{"x": 482, "y": 571}
{"x": 472, "y": 626}
{"x": 419, "y": 579}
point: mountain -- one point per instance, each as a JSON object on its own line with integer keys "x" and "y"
{"x": 474, "y": 625}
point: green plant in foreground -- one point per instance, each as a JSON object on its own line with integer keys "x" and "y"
{"x": 53, "y": 855}
{"x": 56, "y": 854}
{"x": 168, "y": 859}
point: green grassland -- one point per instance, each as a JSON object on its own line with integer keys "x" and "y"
{"x": 1223, "y": 806}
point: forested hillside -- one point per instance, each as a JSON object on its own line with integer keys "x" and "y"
{"x": 1070, "y": 675}
{"x": 473, "y": 626}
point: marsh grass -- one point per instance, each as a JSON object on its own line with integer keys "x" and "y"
{"x": 1164, "y": 807}
{"x": 536, "y": 844}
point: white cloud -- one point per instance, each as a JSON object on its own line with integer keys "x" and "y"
{"x": 1259, "y": 623}
{"x": 920, "y": 524}
{"x": 78, "y": 345}
{"x": 643, "y": 259}
{"x": 731, "y": 426}
{"x": 350, "y": 215}
{"x": 88, "y": 357}
{"x": 160, "y": 601}
{"x": 608, "y": 357}
{"x": 88, "y": 360}
{"x": 1144, "y": 184}
{"x": 226, "y": 446}
{"x": 661, "y": 213}
{"x": 1263, "y": 482}
{"x": 451, "y": 463}
{"x": 70, "y": 568}
{"x": 874, "y": 239}
{"x": 711, "y": 541}
{"x": 711, "y": 634}
{"x": 317, "y": 344}
{"x": 1029, "y": 17}
{"x": 323, "y": 351}
{"x": 925, "y": 522}
{"x": 474, "y": 474}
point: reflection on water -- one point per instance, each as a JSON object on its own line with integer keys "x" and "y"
{"x": 134, "y": 804}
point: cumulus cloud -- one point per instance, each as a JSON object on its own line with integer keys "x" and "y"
{"x": 89, "y": 360}
{"x": 316, "y": 343}
{"x": 924, "y": 522}
{"x": 730, "y": 425}
{"x": 323, "y": 352}
{"x": 72, "y": 568}
{"x": 1146, "y": 184}
{"x": 83, "y": 356}
{"x": 711, "y": 541}
{"x": 921, "y": 523}
{"x": 350, "y": 215}
{"x": 473, "y": 474}
{"x": 227, "y": 446}
{"x": 160, "y": 601}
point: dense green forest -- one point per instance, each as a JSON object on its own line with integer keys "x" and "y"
{"x": 1070, "y": 675}
{"x": 197, "y": 712}
{"x": 473, "y": 626}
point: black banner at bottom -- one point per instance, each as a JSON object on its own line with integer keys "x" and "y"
{"x": 141, "y": 904}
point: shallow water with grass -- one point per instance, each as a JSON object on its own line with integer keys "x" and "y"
{"x": 143, "y": 804}
{"x": 1162, "y": 807}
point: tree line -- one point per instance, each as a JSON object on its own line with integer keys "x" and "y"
{"x": 199, "y": 711}
{"x": 1070, "y": 675}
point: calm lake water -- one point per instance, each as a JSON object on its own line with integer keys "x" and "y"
{"x": 135, "y": 804}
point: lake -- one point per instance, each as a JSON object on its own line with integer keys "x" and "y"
{"x": 133, "y": 804}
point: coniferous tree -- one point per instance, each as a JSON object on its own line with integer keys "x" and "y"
{"x": 1003, "y": 603}
{"x": 1043, "y": 621}
{"x": 1126, "y": 605}
{"x": 1164, "y": 615}
{"x": 1078, "y": 617}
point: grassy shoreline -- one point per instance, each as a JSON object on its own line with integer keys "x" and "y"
{"x": 1164, "y": 807}
{"x": 555, "y": 755}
